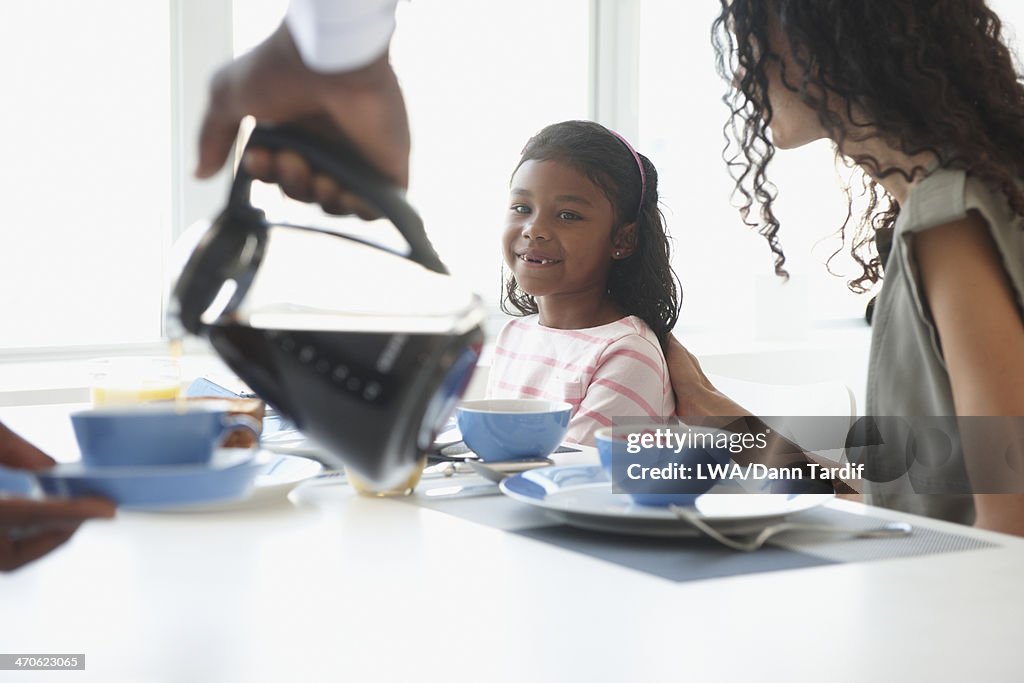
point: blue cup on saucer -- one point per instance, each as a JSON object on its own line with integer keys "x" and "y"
{"x": 229, "y": 475}
{"x": 609, "y": 448}
{"x": 693, "y": 462}
{"x": 155, "y": 434}
{"x": 513, "y": 429}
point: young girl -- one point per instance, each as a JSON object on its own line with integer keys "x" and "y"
{"x": 588, "y": 257}
{"x": 924, "y": 97}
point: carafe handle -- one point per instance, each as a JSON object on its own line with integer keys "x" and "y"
{"x": 338, "y": 159}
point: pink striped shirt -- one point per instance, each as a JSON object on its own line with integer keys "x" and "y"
{"x": 615, "y": 370}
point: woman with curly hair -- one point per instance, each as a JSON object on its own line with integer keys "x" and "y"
{"x": 590, "y": 279}
{"x": 925, "y": 98}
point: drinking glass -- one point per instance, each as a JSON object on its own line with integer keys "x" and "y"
{"x": 131, "y": 380}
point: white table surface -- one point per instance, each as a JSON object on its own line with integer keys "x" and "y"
{"x": 336, "y": 587}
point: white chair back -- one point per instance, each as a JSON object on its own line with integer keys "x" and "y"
{"x": 789, "y": 409}
{"x": 818, "y": 398}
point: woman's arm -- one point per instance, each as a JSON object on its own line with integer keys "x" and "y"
{"x": 695, "y": 395}
{"x": 982, "y": 337}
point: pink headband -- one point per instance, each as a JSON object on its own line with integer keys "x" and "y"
{"x": 639, "y": 165}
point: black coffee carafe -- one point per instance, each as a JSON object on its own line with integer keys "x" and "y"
{"x": 365, "y": 349}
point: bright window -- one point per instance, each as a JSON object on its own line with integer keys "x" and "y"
{"x": 86, "y": 171}
{"x": 726, "y": 269}
{"x": 479, "y": 79}
{"x": 93, "y": 154}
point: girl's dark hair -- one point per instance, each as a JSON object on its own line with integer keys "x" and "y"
{"x": 642, "y": 284}
{"x": 918, "y": 75}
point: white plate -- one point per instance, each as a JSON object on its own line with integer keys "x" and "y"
{"x": 581, "y": 495}
{"x": 280, "y": 476}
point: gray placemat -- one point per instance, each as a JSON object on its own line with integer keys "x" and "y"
{"x": 690, "y": 559}
{"x": 922, "y": 542}
{"x": 675, "y": 559}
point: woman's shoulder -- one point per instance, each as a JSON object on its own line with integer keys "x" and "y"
{"x": 947, "y": 195}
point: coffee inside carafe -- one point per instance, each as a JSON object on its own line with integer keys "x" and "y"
{"x": 366, "y": 349}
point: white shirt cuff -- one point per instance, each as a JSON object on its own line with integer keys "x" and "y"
{"x": 340, "y": 35}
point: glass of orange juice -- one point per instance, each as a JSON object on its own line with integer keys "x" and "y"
{"x": 129, "y": 380}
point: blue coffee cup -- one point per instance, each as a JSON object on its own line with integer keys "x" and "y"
{"x": 513, "y": 429}
{"x": 609, "y": 446}
{"x": 703, "y": 463}
{"x": 155, "y": 435}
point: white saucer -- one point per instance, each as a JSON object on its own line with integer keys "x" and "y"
{"x": 581, "y": 495}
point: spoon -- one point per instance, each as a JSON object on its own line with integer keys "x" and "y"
{"x": 750, "y": 544}
{"x": 497, "y": 471}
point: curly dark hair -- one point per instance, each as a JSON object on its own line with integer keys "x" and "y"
{"x": 643, "y": 284}
{"x": 918, "y": 75}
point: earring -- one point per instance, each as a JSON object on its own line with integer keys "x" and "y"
{"x": 618, "y": 254}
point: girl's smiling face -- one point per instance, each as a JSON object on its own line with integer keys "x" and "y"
{"x": 558, "y": 233}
